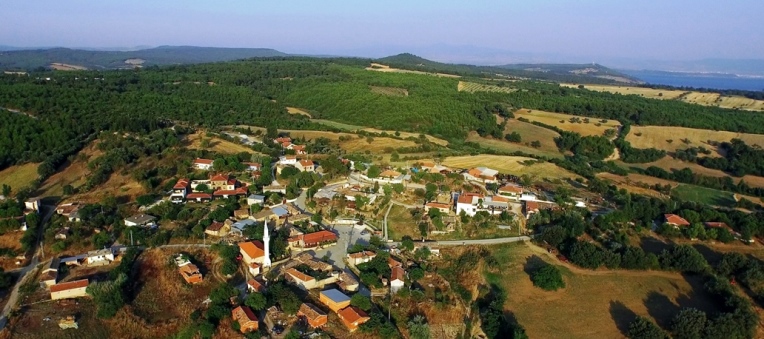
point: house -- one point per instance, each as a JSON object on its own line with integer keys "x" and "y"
{"x": 311, "y": 240}
{"x": 312, "y": 315}
{"x": 347, "y": 282}
{"x": 397, "y": 277}
{"x": 252, "y": 251}
{"x": 531, "y": 207}
{"x": 274, "y": 189}
{"x": 221, "y": 182}
{"x": 190, "y": 273}
{"x": 180, "y": 190}
{"x": 49, "y": 275}
{"x": 712, "y": 224}
{"x": 481, "y": 174}
{"x": 70, "y": 211}
{"x": 311, "y": 261}
{"x": 675, "y": 220}
{"x": 100, "y": 257}
{"x": 471, "y": 203}
{"x": 199, "y": 197}
{"x": 62, "y": 234}
{"x": 217, "y": 229}
{"x": 300, "y": 279}
{"x": 431, "y": 167}
{"x": 253, "y": 285}
{"x": 360, "y": 257}
{"x": 246, "y": 318}
{"x": 141, "y": 220}
{"x": 353, "y": 317}
{"x": 241, "y": 191}
{"x": 202, "y": 164}
{"x": 334, "y": 299}
{"x": 252, "y": 166}
{"x": 239, "y": 226}
{"x": 288, "y": 160}
{"x": 67, "y": 290}
{"x": 254, "y": 269}
{"x": 306, "y": 166}
{"x": 391, "y": 262}
{"x": 443, "y": 208}
{"x": 32, "y": 205}
{"x": 281, "y": 140}
{"x": 299, "y": 149}
{"x": 255, "y": 199}
{"x": 512, "y": 191}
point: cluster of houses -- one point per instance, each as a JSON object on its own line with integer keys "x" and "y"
{"x": 49, "y": 276}
{"x": 397, "y": 272}
{"x": 222, "y": 186}
{"x": 679, "y": 222}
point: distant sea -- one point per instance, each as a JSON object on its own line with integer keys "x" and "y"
{"x": 715, "y": 81}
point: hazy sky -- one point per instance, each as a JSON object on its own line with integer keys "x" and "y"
{"x": 647, "y": 29}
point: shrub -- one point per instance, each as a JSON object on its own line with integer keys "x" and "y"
{"x": 548, "y": 278}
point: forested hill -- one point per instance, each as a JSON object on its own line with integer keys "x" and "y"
{"x": 164, "y": 55}
{"x": 576, "y": 73}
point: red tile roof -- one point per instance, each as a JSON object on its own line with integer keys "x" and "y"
{"x": 254, "y": 249}
{"x": 255, "y": 285}
{"x": 219, "y": 177}
{"x": 243, "y": 314}
{"x": 181, "y": 184}
{"x": 716, "y": 224}
{"x": 297, "y": 275}
{"x": 319, "y": 237}
{"x": 393, "y": 263}
{"x": 311, "y": 312}
{"x": 351, "y": 314}
{"x": 69, "y": 285}
{"x": 531, "y": 206}
{"x": 675, "y": 220}
{"x": 397, "y": 273}
{"x": 215, "y": 226}
{"x": 199, "y": 195}
{"x": 283, "y": 139}
{"x": 238, "y": 191}
{"x": 511, "y": 189}
{"x": 203, "y": 161}
{"x": 306, "y": 163}
{"x": 466, "y": 198}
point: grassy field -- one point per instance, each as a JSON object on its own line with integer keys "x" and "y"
{"x": 562, "y": 121}
{"x": 671, "y": 138}
{"x": 407, "y": 135}
{"x": 510, "y": 165}
{"x": 389, "y": 91}
{"x": 194, "y": 141}
{"x": 19, "y": 176}
{"x": 506, "y": 146}
{"x": 310, "y": 135}
{"x": 377, "y": 145}
{"x": 668, "y": 163}
{"x": 472, "y": 87}
{"x": 699, "y": 98}
{"x": 299, "y": 111}
{"x": 612, "y": 299}
{"x": 400, "y": 223}
{"x": 703, "y": 195}
{"x": 73, "y": 173}
{"x": 633, "y": 183}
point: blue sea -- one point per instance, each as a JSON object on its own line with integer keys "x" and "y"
{"x": 699, "y": 81}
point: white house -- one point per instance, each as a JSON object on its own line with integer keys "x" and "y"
{"x": 255, "y": 199}
{"x": 471, "y": 203}
{"x": 140, "y": 220}
{"x": 306, "y": 166}
{"x": 100, "y": 257}
{"x": 481, "y": 174}
{"x": 397, "y": 277}
{"x": 253, "y": 166}
{"x": 202, "y": 164}
{"x": 512, "y": 191}
{"x": 288, "y": 160}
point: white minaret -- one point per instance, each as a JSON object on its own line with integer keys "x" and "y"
{"x": 266, "y": 246}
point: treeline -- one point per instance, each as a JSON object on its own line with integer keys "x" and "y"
{"x": 739, "y": 159}
{"x": 635, "y": 155}
{"x": 687, "y": 176}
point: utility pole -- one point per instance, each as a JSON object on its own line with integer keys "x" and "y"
{"x": 131, "y": 238}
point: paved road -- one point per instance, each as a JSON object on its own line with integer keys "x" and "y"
{"x": 13, "y": 298}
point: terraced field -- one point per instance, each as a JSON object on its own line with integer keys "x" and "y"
{"x": 472, "y": 87}
{"x": 673, "y": 138}
{"x": 563, "y": 121}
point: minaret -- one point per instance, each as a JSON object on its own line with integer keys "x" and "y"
{"x": 266, "y": 246}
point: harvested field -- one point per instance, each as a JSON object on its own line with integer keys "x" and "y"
{"x": 19, "y": 176}
{"x": 377, "y": 145}
{"x": 614, "y": 298}
{"x": 338, "y": 125}
{"x": 741, "y": 103}
{"x": 706, "y": 99}
{"x": 72, "y": 173}
{"x": 10, "y": 240}
{"x": 563, "y": 122}
{"x": 640, "y": 91}
{"x": 66, "y": 67}
{"x": 510, "y": 165}
{"x": 530, "y": 132}
{"x": 390, "y": 91}
{"x": 299, "y": 111}
{"x": 506, "y": 146}
{"x": 407, "y": 135}
{"x": 472, "y": 87}
{"x": 384, "y": 68}
{"x": 310, "y": 135}
{"x": 668, "y": 163}
{"x": 671, "y": 138}
{"x": 194, "y": 141}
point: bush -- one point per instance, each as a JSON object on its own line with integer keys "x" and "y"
{"x": 642, "y": 328}
{"x": 548, "y": 278}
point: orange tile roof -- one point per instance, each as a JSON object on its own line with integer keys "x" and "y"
{"x": 297, "y": 275}
{"x": 475, "y": 172}
{"x": 716, "y": 224}
{"x": 243, "y": 314}
{"x": 498, "y": 198}
{"x": 393, "y": 263}
{"x": 352, "y": 314}
{"x": 511, "y": 188}
{"x": 299, "y": 147}
{"x": 427, "y": 164}
{"x": 362, "y": 254}
{"x": 219, "y": 177}
{"x": 254, "y": 249}
{"x": 215, "y": 226}
{"x": 531, "y": 206}
{"x": 306, "y": 163}
{"x": 181, "y": 184}
{"x": 69, "y": 285}
{"x": 203, "y": 161}
{"x": 238, "y": 191}
{"x": 199, "y": 195}
{"x": 280, "y": 140}
{"x": 318, "y": 237}
{"x": 190, "y": 273}
{"x": 676, "y": 220}
{"x": 310, "y": 311}
{"x": 256, "y": 285}
{"x": 397, "y": 273}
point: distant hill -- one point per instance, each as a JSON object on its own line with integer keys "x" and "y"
{"x": 164, "y": 55}
{"x": 577, "y": 73}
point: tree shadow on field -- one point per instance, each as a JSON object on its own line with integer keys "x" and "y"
{"x": 653, "y": 245}
{"x": 622, "y": 316}
{"x": 663, "y": 309}
{"x": 713, "y": 257}
{"x": 533, "y": 263}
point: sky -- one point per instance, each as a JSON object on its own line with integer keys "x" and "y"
{"x": 477, "y": 29}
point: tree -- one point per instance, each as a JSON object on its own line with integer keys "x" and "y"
{"x": 407, "y": 243}
{"x": 688, "y": 324}
{"x": 416, "y": 273}
{"x": 256, "y": 301}
{"x": 360, "y": 301}
{"x": 373, "y": 171}
{"x": 6, "y": 191}
{"x": 423, "y": 229}
{"x": 6, "y": 279}
{"x": 554, "y": 235}
{"x": 513, "y": 137}
{"x": 548, "y": 278}
{"x": 684, "y": 258}
{"x": 202, "y": 188}
{"x": 642, "y": 328}
{"x": 418, "y": 327}
{"x": 398, "y": 188}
